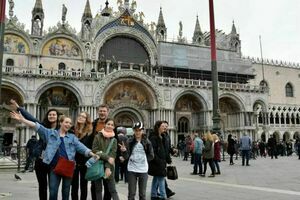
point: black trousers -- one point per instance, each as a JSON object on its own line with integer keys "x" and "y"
{"x": 79, "y": 174}
{"x": 106, "y": 196}
{"x": 42, "y": 171}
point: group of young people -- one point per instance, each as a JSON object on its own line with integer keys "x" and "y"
{"x": 58, "y": 138}
{"x": 207, "y": 149}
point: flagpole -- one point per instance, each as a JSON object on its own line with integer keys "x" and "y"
{"x": 214, "y": 71}
{"x": 2, "y": 27}
{"x": 262, "y": 60}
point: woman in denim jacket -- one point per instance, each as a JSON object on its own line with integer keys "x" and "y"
{"x": 59, "y": 143}
{"x": 42, "y": 170}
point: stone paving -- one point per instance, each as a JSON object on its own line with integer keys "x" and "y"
{"x": 266, "y": 179}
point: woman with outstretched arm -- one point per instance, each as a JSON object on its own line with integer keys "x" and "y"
{"x": 60, "y": 143}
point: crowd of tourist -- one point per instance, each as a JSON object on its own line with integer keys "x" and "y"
{"x": 130, "y": 159}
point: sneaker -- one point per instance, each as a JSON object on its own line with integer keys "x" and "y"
{"x": 212, "y": 175}
{"x": 217, "y": 173}
{"x": 202, "y": 175}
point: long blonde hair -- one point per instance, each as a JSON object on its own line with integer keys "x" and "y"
{"x": 215, "y": 137}
{"x": 87, "y": 127}
{"x": 208, "y": 136}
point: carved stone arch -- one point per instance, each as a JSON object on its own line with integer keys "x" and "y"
{"x": 235, "y": 99}
{"x": 259, "y": 109}
{"x": 23, "y": 36}
{"x": 68, "y": 37}
{"x": 296, "y": 135}
{"x": 277, "y": 136}
{"x": 262, "y": 103}
{"x": 141, "y": 37}
{"x": 138, "y": 76}
{"x": 263, "y": 136}
{"x": 286, "y": 136}
{"x": 130, "y": 110}
{"x": 47, "y": 85}
{"x": 198, "y": 96}
{"x": 15, "y": 86}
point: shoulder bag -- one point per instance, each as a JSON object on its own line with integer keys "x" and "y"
{"x": 96, "y": 171}
{"x": 64, "y": 167}
{"x": 172, "y": 172}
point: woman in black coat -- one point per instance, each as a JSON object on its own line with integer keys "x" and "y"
{"x": 157, "y": 167}
{"x": 230, "y": 148}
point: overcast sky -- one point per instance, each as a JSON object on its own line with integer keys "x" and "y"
{"x": 277, "y": 21}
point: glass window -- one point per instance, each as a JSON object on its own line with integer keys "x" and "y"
{"x": 289, "y": 90}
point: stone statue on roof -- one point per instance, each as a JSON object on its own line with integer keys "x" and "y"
{"x": 64, "y": 13}
{"x": 180, "y": 29}
{"x": 133, "y": 5}
{"x": 119, "y": 2}
{"x": 11, "y": 7}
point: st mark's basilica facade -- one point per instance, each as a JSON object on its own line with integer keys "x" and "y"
{"x": 120, "y": 60}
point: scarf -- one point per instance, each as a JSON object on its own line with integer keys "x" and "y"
{"x": 108, "y": 134}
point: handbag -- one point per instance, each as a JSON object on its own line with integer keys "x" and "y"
{"x": 96, "y": 171}
{"x": 64, "y": 167}
{"x": 172, "y": 173}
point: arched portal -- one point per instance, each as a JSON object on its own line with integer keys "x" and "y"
{"x": 125, "y": 119}
{"x": 276, "y": 135}
{"x": 286, "y": 136}
{"x": 263, "y": 137}
{"x": 127, "y": 116}
{"x": 230, "y": 112}
{"x": 189, "y": 115}
{"x": 296, "y": 135}
{"x": 129, "y": 92}
{"x": 60, "y": 98}
{"x": 8, "y": 125}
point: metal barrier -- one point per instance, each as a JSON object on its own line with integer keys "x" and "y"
{"x": 13, "y": 157}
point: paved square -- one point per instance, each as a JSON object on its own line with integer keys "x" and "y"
{"x": 265, "y": 179}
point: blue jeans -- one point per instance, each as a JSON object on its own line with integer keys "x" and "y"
{"x": 54, "y": 183}
{"x": 245, "y": 154}
{"x": 197, "y": 163}
{"x": 158, "y": 182}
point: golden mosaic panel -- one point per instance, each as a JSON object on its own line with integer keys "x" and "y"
{"x": 15, "y": 44}
{"x": 61, "y": 47}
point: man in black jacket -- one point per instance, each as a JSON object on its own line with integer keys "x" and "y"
{"x": 30, "y": 156}
{"x": 272, "y": 146}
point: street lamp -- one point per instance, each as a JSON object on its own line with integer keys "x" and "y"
{"x": 214, "y": 73}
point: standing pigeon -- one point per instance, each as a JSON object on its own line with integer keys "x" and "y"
{"x": 17, "y": 177}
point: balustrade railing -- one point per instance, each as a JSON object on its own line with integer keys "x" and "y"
{"x": 72, "y": 74}
{"x": 177, "y": 82}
